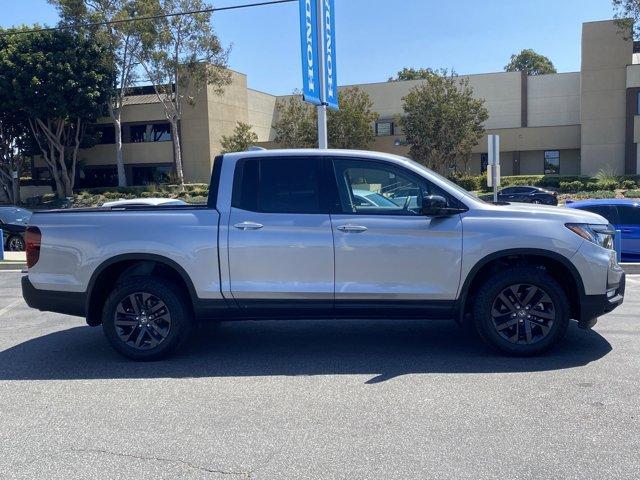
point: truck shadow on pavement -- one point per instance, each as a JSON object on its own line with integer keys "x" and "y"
{"x": 383, "y": 349}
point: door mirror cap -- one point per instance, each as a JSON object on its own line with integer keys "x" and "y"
{"x": 437, "y": 206}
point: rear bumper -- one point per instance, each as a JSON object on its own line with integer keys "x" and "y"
{"x": 593, "y": 306}
{"x": 68, "y": 303}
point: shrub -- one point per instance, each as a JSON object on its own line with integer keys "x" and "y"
{"x": 595, "y": 194}
{"x": 469, "y": 182}
{"x": 632, "y": 194}
{"x": 607, "y": 184}
{"x": 628, "y": 184}
{"x": 574, "y": 186}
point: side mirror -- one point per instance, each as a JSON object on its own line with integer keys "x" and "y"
{"x": 437, "y": 206}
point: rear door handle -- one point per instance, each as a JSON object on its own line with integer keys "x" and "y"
{"x": 248, "y": 226}
{"x": 626, "y": 230}
{"x": 352, "y": 228}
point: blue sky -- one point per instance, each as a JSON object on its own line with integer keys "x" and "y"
{"x": 376, "y": 38}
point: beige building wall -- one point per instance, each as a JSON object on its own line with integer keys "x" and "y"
{"x": 605, "y": 56}
{"x": 261, "y": 110}
{"x": 553, "y": 99}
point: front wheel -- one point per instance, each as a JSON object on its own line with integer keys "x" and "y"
{"x": 145, "y": 318}
{"x": 521, "y": 311}
{"x": 15, "y": 243}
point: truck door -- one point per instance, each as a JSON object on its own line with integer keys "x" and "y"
{"x": 390, "y": 258}
{"x": 280, "y": 241}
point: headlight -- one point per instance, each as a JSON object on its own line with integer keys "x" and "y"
{"x": 599, "y": 234}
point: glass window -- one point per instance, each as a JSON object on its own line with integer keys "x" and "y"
{"x": 105, "y": 134}
{"x": 606, "y": 211}
{"x": 384, "y": 129}
{"x": 152, "y": 174}
{"x": 278, "y": 185}
{"x": 552, "y": 162}
{"x": 97, "y": 176}
{"x": 484, "y": 162}
{"x": 629, "y": 215}
{"x": 375, "y": 188}
{"x": 151, "y": 132}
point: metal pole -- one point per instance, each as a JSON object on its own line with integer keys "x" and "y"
{"x": 1, "y": 245}
{"x": 323, "y": 142}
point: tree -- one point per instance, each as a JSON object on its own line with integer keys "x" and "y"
{"x": 13, "y": 140}
{"x": 442, "y": 121}
{"x": 531, "y": 63}
{"x": 350, "y": 127}
{"x": 124, "y": 42}
{"x": 409, "y": 73}
{"x": 60, "y": 81}
{"x": 296, "y": 123}
{"x": 181, "y": 56}
{"x": 243, "y": 137}
{"x": 627, "y": 15}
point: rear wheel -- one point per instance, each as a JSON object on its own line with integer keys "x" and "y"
{"x": 146, "y": 318}
{"x": 15, "y": 243}
{"x": 521, "y": 311}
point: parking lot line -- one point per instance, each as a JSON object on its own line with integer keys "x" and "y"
{"x": 10, "y": 306}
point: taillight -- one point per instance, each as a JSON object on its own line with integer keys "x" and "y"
{"x": 33, "y": 238}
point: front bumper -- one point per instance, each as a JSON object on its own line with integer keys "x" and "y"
{"x": 68, "y": 303}
{"x": 593, "y": 306}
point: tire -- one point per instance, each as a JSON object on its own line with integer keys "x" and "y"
{"x": 146, "y": 318}
{"x": 507, "y": 321}
{"x": 15, "y": 243}
{"x": 536, "y": 202}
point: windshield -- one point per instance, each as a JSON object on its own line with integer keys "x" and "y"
{"x": 19, "y": 216}
{"x": 449, "y": 183}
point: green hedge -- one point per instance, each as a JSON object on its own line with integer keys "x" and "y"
{"x": 561, "y": 183}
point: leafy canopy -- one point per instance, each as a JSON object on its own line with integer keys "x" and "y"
{"x": 531, "y": 63}
{"x": 241, "y": 139}
{"x": 350, "y": 127}
{"x": 409, "y": 73}
{"x": 442, "y": 121}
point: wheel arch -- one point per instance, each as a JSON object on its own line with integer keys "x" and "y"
{"x": 122, "y": 266}
{"x": 557, "y": 264}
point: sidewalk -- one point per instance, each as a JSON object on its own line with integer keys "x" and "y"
{"x": 13, "y": 261}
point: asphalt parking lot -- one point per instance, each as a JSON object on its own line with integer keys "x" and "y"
{"x": 295, "y": 400}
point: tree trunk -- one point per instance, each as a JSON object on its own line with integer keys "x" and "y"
{"x": 16, "y": 190}
{"x": 177, "y": 152}
{"x": 116, "y": 116}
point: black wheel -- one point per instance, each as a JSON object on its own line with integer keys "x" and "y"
{"x": 145, "y": 318}
{"x": 521, "y": 311}
{"x": 537, "y": 202}
{"x": 15, "y": 243}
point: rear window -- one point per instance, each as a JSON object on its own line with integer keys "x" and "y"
{"x": 629, "y": 215}
{"x": 606, "y": 211}
{"x": 278, "y": 185}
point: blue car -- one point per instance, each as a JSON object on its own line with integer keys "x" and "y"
{"x": 624, "y": 215}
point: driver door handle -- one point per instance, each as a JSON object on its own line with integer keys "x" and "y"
{"x": 352, "y": 228}
{"x": 248, "y": 226}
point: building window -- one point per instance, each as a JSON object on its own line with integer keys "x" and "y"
{"x": 97, "y": 176}
{"x": 152, "y": 174}
{"x": 105, "y": 134}
{"x": 484, "y": 161}
{"x": 551, "y": 162}
{"x": 384, "y": 129}
{"x": 151, "y": 132}
{"x": 638, "y": 103}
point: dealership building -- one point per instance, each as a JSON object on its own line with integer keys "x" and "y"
{"x": 566, "y": 123}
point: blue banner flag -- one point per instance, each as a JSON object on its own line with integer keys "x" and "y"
{"x": 329, "y": 38}
{"x": 309, "y": 46}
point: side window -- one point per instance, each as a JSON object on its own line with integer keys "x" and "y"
{"x": 278, "y": 185}
{"x": 374, "y": 188}
{"x": 508, "y": 191}
{"x": 605, "y": 211}
{"x": 629, "y": 215}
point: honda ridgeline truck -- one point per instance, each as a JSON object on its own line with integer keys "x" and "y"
{"x": 305, "y": 234}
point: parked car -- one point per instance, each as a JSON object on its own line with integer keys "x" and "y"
{"x": 624, "y": 215}
{"x": 526, "y": 194}
{"x": 144, "y": 202}
{"x": 283, "y": 236}
{"x": 13, "y": 222}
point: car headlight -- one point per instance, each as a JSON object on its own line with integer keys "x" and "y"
{"x": 599, "y": 234}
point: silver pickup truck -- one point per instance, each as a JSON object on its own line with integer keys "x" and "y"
{"x": 324, "y": 234}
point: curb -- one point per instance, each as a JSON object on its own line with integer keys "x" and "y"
{"x": 7, "y": 265}
{"x": 631, "y": 268}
